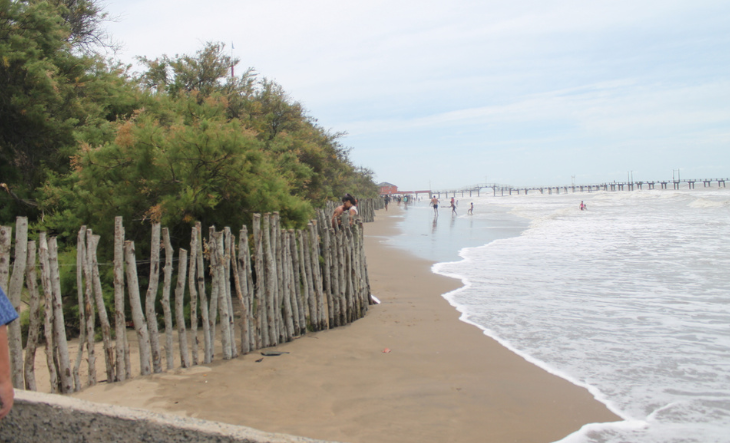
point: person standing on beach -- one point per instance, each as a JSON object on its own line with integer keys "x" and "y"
{"x": 7, "y": 394}
{"x": 387, "y": 200}
{"x": 435, "y": 204}
{"x": 471, "y": 209}
{"x": 453, "y": 207}
{"x": 349, "y": 203}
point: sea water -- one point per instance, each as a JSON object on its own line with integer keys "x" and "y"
{"x": 629, "y": 298}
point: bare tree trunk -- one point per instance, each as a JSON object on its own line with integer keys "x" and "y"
{"x": 325, "y": 237}
{"x": 106, "y": 334}
{"x": 335, "y": 277}
{"x": 248, "y": 273}
{"x": 193, "y": 293}
{"x": 140, "y": 326}
{"x": 47, "y": 310}
{"x": 205, "y": 320}
{"x": 215, "y": 289}
{"x": 276, "y": 250}
{"x": 311, "y": 293}
{"x": 167, "y": 284}
{"x": 341, "y": 252}
{"x": 89, "y": 306}
{"x": 262, "y": 332}
{"x": 152, "y": 297}
{"x": 120, "y": 322}
{"x": 302, "y": 321}
{"x": 288, "y": 288}
{"x": 34, "y": 316}
{"x": 293, "y": 274}
{"x": 322, "y": 307}
{"x": 80, "y": 269}
{"x": 6, "y": 234}
{"x": 229, "y": 257}
{"x": 219, "y": 273}
{"x": 270, "y": 283}
{"x": 59, "y": 328}
{"x": 179, "y": 309}
{"x": 14, "y": 289}
{"x": 240, "y": 280}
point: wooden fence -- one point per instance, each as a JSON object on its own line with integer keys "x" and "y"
{"x": 284, "y": 283}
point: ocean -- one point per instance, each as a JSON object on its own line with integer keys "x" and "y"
{"x": 629, "y": 298}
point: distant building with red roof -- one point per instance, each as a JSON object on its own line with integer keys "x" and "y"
{"x": 387, "y": 188}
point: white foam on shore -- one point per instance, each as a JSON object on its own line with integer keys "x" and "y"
{"x": 627, "y": 299}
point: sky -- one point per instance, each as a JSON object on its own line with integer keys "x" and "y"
{"x": 437, "y": 94}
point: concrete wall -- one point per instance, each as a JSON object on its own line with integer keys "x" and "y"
{"x": 50, "y": 418}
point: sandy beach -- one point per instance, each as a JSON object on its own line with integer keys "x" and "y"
{"x": 443, "y": 380}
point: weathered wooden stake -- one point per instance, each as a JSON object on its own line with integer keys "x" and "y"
{"x": 229, "y": 259}
{"x": 166, "y": 287}
{"x": 296, "y": 290}
{"x": 220, "y": 278}
{"x": 6, "y": 233}
{"x": 140, "y": 326}
{"x": 14, "y": 289}
{"x": 120, "y": 322}
{"x": 270, "y": 283}
{"x": 34, "y": 317}
{"x": 47, "y": 310}
{"x": 179, "y": 308}
{"x": 241, "y": 281}
{"x": 59, "y": 329}
{"x": 204, "y": 317}
{"x": 193, "y": 293}
{"x": 106, "y": 334}
{"x": 89, "y": 307}
{"x": 152, "y": 297}
{"x": 80, "y": 269}
{"x": 262, "y": 328}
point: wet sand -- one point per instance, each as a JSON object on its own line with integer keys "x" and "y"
{"x": 443, "y": 380}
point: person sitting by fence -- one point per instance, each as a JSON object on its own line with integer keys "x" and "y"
{"x": 349, "y": 203}
{"x": 7, "y": 315}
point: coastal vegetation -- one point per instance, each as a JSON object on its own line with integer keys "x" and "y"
{"x": 83, "y": 138}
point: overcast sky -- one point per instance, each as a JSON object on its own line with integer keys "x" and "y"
{"x": 446, "y": 94}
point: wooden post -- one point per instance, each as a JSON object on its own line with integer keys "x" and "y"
{"x": 276, "y": 251}
{"x": 6, "y": 233}
{"x": 89, "y": 306}
{"x": 204, "y": 317}
{"x": 364, "y": 264}
{"x": 241, "y": 281}
{"x": 120, "y": 322}
{"x": 80, "y": 269}
{"x": 298, "y": 307}
{"x": 262, "y": 334}
{"x": 335, "y": 277}
{"x": 214, "y": 289}
{"x": 220, "y": 279}
{"x": 166, "y": 287}
{"x": 325, "y": 237}
{"x": 294, "y": 276}
{"x": 311, "y": 285}
{"x": 106, "y": 334}
{"x": 14, "y": 289}
{"x": 152, "y": 297}
{"x": 193, "y": 293}
{"x": 229, "y": 259}
{"x": 351, "y": 298}
{"x": 244, "y": 274}
{"x": 179, "y": 308}
{"x": 288, "y": 313}
{"x": 140, "y": 326}
{"x": 59, "y": 329}
{"x": 47, "y": 310}
{"x": 342, "y": 260}
{"x": 270, "y": 283}
{"x": 34, "y": 316}
{"x": 322, "y": 315}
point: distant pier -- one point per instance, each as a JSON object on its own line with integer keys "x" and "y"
{"x": 501, "y": 189}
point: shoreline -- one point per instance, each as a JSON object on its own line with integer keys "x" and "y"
{"x": 444, "y": 379}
